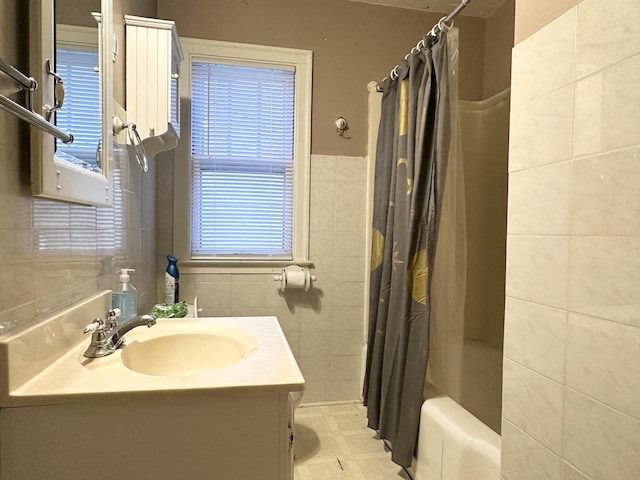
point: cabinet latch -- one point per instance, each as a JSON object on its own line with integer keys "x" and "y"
{"x": 291, "y": 437}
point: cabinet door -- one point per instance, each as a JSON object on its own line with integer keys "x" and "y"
{"x": 153, "y": 102}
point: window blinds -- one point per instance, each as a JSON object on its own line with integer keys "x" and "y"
{"x": 242, "y": 149}
{"x": 81, "y": 113}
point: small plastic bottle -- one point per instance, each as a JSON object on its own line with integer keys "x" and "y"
{"x": 126, "y": 298}
{"x": 171, "y": 285}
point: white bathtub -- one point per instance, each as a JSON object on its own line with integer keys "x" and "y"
{"x": 455, "y": 445}
{"x": 457, "y": 439}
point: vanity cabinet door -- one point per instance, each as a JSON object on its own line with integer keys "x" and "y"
{"x": 186, "y": 435}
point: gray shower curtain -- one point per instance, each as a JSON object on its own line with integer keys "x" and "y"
{"x": 414, "y": 139}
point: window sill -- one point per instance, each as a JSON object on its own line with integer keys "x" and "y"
{"x": 242, "y": 267}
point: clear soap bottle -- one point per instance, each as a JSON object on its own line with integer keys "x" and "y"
{"x": 126, "y": 297}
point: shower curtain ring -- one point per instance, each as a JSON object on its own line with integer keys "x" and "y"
{"x": 442, "y": 25}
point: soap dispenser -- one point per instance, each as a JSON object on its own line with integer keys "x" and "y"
{"x": 126, "y": 297}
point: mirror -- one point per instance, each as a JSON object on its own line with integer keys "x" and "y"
{"x": 75, "y": 91}
{"x": 77, "y": 64}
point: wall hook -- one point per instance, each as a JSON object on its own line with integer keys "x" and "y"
{"x": 341, "y": 127}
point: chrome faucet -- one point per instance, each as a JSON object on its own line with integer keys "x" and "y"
{"x": 107, "y": 336}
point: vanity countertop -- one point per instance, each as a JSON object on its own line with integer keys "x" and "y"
{"x": 60, "y": 374}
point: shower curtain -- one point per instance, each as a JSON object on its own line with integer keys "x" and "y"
{"x": 416, "y": 139}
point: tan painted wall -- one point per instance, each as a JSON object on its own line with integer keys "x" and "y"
{"x": 67, "y": 12}
{"x": 353, "y": 43}
{"x": 532, "y": 15}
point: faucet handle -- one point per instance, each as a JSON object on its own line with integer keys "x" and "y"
{"x": 97, "y": 324}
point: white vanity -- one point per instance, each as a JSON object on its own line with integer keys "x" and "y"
{"x": 63, "y": 416}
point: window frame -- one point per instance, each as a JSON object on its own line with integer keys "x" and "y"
{"x": 226, "y": 52}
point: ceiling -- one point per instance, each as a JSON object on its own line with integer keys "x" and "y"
{"x": 475, "y": 8}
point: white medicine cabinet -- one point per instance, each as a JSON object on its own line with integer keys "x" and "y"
{"x": 152, "y": 86}
{"x": 75, "y": 172}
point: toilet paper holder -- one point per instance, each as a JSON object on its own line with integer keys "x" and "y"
{"x": 295, "y": 277}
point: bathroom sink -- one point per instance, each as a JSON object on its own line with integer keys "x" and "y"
{"x": 185, "y": 349}
{"x": 45, "y": 365}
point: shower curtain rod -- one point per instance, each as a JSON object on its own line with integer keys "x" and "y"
{"x": 441, "y": 26}
{"x": 455, "y": 12}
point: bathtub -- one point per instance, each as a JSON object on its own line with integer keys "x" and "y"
{"x": 455, "y": 445}
{"x": 458, "y": 439}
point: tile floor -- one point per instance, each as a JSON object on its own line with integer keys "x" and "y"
{"x": 333, "y": 442}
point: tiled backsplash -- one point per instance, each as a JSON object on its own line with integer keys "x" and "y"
{"x": 572, "y": 334}
{"x": 55, "y": 253}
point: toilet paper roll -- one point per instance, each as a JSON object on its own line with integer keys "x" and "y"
{"x": 295, "y": 277}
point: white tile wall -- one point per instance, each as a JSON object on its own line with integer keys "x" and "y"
{"x": 545, "y": 61}
{"x": 571, "y": 406}
{"x": 603, "y": 362}
{"x": 537, "y": 269}
{"x": 535, "y": 337}
{"x": 524, "y": 392}
{"x": 606, "y": 108}
{"x": 618, "y": 34}
{"x": 605, "y": 196}
{"x": 604, "y": 277}
{"x": 600, "y": 440}
{"x": 550, "y": 214}
{"x": 551, "y": 118}
{"x": 526, "y": 459}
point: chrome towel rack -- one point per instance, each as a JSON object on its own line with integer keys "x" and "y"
{"x": 23, "y": 81}
{"x": 27, "y": 114}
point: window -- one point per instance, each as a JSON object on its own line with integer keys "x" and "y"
{"x": 242, "y": 129}
{"x": 246, "y": 138}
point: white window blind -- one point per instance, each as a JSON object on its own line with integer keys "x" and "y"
{"x": 175, "y": 103}
{"x": 81, "y": 113}
{"x": 242, "y": 149}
